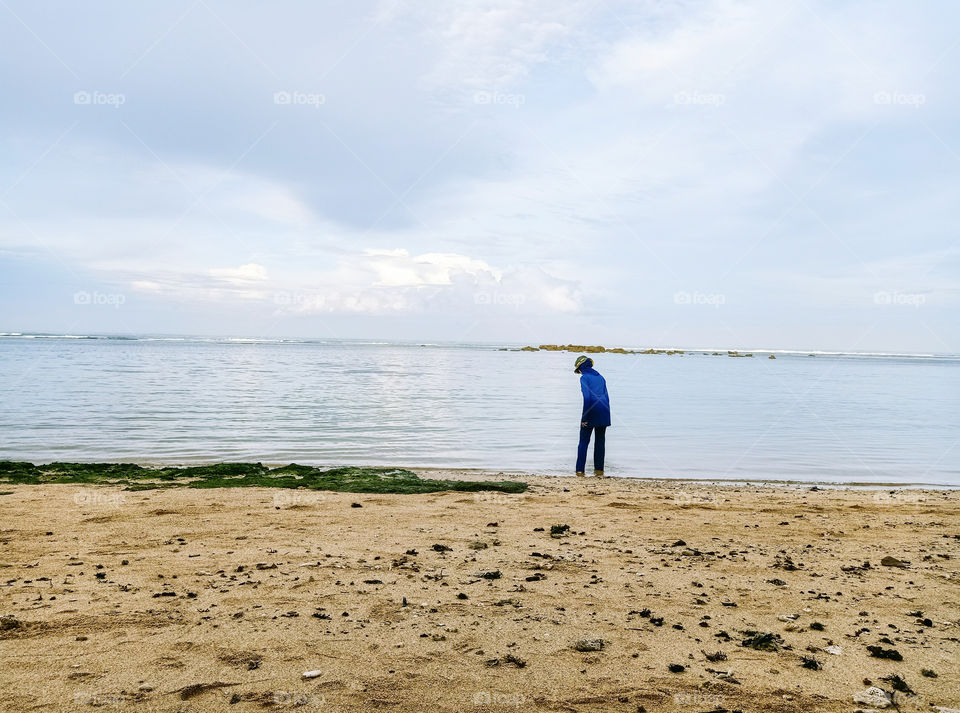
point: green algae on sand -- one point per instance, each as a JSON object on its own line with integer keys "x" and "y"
{"x": 348, "y": 479}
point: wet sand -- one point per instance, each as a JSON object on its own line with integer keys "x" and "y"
{"x": 196, "y": 600}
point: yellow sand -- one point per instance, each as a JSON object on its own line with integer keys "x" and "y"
{"x": 254, "y": 566}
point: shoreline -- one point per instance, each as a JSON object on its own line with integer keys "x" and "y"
{"x": 458, "y": 473}
{"x": 720, "y": 482}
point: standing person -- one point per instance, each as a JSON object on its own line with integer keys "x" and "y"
{"x": 595, "y": 417}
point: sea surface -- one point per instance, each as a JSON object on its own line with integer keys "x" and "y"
{"x": 826, "y": 417}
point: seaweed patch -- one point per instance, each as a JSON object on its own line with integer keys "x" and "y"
{"x": 347, "y": 479}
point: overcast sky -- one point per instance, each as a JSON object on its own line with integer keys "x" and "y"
{"x": 700, "y": 173}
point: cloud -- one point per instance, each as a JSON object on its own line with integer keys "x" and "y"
{"x": 393, "y": 281}
{"x": 222, "y": 285}
{"x": 395, "y": 268}
{"x": 243, "y": 275}
{"x": 375, "y": 282}
{"x": 732, "y": 146}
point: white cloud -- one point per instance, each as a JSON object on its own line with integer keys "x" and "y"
{"x": 393, "y": 281}
{"x": 374, "y": 281}
{"x": 396, "y": 268}
{"x": 243, "y": 275}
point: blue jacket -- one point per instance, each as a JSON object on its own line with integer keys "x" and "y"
{"x": 596, "y": 400}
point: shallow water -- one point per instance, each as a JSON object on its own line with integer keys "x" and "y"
{"x": 832, "y": 417}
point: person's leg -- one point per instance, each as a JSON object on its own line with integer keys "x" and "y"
{"x": 599, "y": 448}
{"x": 582, "y": 448}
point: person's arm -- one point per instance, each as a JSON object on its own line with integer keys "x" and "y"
{"x": 587, "y": 401}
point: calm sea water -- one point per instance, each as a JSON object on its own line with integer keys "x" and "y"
{"x": 832, "y": 417}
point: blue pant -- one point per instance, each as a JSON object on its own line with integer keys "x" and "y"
{"x": 599, "y": 447}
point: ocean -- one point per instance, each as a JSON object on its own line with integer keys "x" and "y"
{"x": 811, "y": 417}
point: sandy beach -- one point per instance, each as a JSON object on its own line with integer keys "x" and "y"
{"x": 679, "y": 597}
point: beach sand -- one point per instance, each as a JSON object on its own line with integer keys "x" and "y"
{"x": 196, "y": 600}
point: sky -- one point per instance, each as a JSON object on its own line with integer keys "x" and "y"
{"x": 697, "y": 173}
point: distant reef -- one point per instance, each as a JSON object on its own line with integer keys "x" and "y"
{"x": 595, "y": 349}
{"x": 592, "y": 349}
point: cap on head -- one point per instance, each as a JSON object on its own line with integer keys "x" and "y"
{"x": 582, "y": 361}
